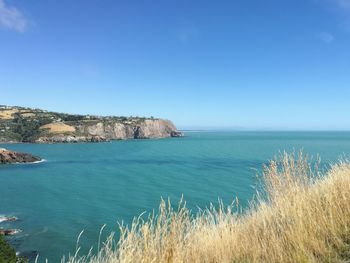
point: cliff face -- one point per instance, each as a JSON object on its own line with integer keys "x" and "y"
{"x": 119, "y": 131}
{"x": 113, "y": 130}
{"x": 33, "y": 125}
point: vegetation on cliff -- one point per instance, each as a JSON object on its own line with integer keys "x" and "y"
{"x": 7, "y": 253}
{"x": 300, "y": 216}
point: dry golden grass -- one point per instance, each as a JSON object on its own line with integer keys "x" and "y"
{"x": 7, "y": 114}
{"x": 58, "y": 127}
{"x": 303, "y": 217}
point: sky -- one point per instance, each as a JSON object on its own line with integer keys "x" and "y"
{"x": 235, "y": 64}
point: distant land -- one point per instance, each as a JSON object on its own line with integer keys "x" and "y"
{"x": 21, "y": 124}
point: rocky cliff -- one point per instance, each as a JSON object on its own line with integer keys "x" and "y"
{"x": 19, "y": 124}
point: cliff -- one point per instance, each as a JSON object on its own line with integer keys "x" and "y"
{"x": 18, "y": 124}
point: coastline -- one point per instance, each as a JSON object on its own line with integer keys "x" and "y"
{"x": 21, "y": 124}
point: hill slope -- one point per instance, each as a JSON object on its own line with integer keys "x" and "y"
{"x": 19, "y": 124}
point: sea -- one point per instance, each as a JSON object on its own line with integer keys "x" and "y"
{"x": 82, "y": 187}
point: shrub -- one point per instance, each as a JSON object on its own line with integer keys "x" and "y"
{"x": 7, "y": 253}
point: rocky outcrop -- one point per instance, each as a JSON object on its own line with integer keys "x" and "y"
{"x": 70, "y": 139}
{"x": 9, "y": 232}
{"x": 176, "y": 134}
{"x": 8, "y": 157}
{"x": 154, "y": 129}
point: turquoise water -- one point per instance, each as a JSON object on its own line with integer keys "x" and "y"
{"x": 83, "y": 186}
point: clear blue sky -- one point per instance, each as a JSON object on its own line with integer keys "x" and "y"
{"x": 282, "y": 64}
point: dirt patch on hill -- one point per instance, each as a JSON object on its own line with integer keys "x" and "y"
{"x": 58, "y": 127}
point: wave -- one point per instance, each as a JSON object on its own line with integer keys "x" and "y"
{"x": 43, "y": 231}
{"x": 15, "y": 231}
{"x": 7, "y": 218}
{"x": 36, "y": 162}
{"x": 41, "y": 161}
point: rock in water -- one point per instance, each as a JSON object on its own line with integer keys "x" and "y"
{"x": 9, "y": 232}
{"x": 176, "y": 134}
{"x": 7, "y": 157}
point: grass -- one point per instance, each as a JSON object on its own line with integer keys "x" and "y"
{"x": 300, "y": 216}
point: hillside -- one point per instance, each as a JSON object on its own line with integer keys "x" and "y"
{"x": 20, "y": 124}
